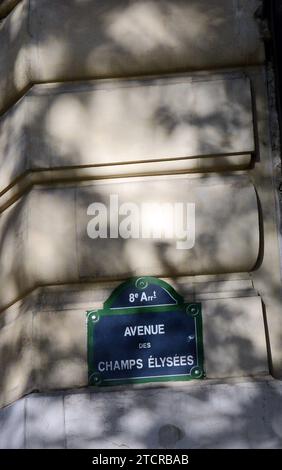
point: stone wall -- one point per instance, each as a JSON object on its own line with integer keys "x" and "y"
{"x": 153, "y": 102}
{"x": 236, "y": 414}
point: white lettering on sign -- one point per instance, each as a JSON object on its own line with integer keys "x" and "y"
{"x": 142, "y": 330}
{"x": 126, "y": 364}
{"x": 144, "y": 297}
{"x": 153, "y": 363}
{"x": 144, "y": 345}
{"x": 170, "y": 361}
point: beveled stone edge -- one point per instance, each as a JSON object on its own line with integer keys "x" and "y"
{"x": 163, "y": 167}
{"x": 7, "y": 7}
{"x": 33, "y": 77}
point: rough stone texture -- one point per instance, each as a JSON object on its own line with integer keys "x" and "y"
{"x": 12, "y": 426}
{"x": 130, "y": 121}
{"x": 123, "y": 38}
{"x": 44, "y": 237}
{"x": 44, "y": 422}
{"x": 234, "y": 414}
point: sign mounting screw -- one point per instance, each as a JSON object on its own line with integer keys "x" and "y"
{"x": 192, "y": 309}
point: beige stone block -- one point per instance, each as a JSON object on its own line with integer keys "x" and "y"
{"x": 38, "y": 242}
{"x": 15, "y": 60}
{"x": 60, "y": 339}
{"x": 52, "y": 236}
{"x": 131, "y": 121}
{"x": 45, "y": 235}
{"x": 15, "y": 273}
{"x": 267, "y": 176}
{"x": 227, "y": 234}
{"x": 119, "y": 38}
{"x": 129, "y": 127}
{"x": 16, "y": 362}
{"x": 13, "y": 144}
{"x": 234, "y": 337}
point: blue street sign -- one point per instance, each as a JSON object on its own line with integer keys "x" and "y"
{"x": 144, "y": 333}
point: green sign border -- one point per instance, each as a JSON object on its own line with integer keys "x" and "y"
{"x": 194, "y": 309}
{"x": 138, "y": 282}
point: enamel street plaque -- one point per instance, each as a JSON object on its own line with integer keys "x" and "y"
{"x": 144, "y": 333}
